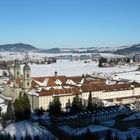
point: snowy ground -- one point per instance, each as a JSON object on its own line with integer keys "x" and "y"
{"x": 24, "y": 127}
{"x": 21, "y": 55}
{"x": 75, "y": 68}
{"x": 133, "y": 76}
{"x": 3, "y": 105}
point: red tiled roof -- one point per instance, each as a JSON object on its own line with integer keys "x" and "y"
{"x": 60, "y": 92}
{"x": 51, "y": 81}
{"x": 103, "y": 87}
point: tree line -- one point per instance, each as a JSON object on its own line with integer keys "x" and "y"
{"x": 17, "y": 111}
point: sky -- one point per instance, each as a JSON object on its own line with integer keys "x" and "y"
{"x": 70, "y": 23}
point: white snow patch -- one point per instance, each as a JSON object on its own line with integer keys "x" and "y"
{"x": 24, "y": 127}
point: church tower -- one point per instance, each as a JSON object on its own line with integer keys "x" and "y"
{"x": 26, "y": 77}
{"x": 17, "y": 70}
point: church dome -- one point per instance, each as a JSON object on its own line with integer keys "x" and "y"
{"x": 16, "y": 65}
{"x": 26, "y": 67}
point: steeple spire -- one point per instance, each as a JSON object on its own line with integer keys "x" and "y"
{"x": 26, "y": 58}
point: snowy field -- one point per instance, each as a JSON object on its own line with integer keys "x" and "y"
{"x": 74, "y": 68}
{"x": 21, "y": 55}
{"x": 77, "y": 68}
{"x": 133, "y": 76}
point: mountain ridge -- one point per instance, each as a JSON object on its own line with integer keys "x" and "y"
{"x": 21, "y": 47}
{"x": 17, "y": 47}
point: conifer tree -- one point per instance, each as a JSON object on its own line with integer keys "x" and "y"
{"x": 26, "y": 106}
{"x": 22, "y": 107}
{"x": 55, "y": 106}
{"x": 39, "y": 111}
{"x": 116, "y": 137}
{"x": 50, "y": 108}
{"x": 129, "y": 138}
{"x": 137, "y": 138}
{"x": 14, "y": 137}
{"x": 81, "y": 107}
{"x": 108, "y": 135}
{"x": 88, "y": 135}
{"x": 17, "y": 110}
{"x": 37, "y": 137}
{"x": 75, "y": 104}
{"x": 90, "y": 104}
{"x": 9, "y": 112}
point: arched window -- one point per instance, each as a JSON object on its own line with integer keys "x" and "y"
{"x": 27, "y": 75}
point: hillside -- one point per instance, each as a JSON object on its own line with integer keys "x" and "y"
{"x": 19, "y": 47}
{"x": 128, "y": 49}
{"x": 52, "y": 50}
{"x": 123, "y": 50}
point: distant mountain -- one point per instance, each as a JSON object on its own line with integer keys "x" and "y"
{"x": 19, "y": 47}
{"x": 123, "y": 50}
{"x": 53, "y": 50}
{"x": 128, "y": 49}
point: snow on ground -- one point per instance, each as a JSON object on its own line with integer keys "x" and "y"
{"x": 3, "y": 107}
{"x": 79, "y": 131}
{"x": 1, "y": 100}
{"x": 5, "y": 97}
{"x": 106, "y": 103}
{"x": 21, "y": 55}
{"x": 133, "y": 76}
{"x": 75, "y": 68}
{"x": 24, "y": 127}
{"x": 3, "y": 103}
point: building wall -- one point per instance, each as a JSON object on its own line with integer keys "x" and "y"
{"x": 44, "y": 101}
{"x": 11, "y": 91}
{"x": 112, "y": 94}
{"x": 64, "y": 100}
{"x": 137, "y": 91}
{"x": 34, "y": 101}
